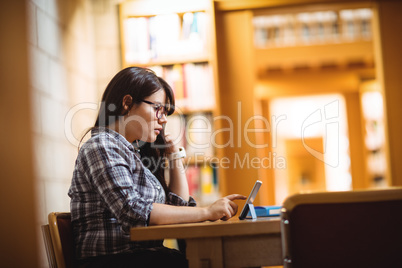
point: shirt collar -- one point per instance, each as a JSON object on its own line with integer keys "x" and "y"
{"x": 114, "y": 134}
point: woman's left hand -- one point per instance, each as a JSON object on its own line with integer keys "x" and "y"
{"x": 178, "y": 181}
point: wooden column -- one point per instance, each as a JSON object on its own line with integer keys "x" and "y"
{"x": 356, "y": 141}
{"x": 236, "y": 85}
{"x": 267, "y": 170}
{"x": 388, "y": 43}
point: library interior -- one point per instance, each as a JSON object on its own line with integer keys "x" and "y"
{"x": 302, "y": 95}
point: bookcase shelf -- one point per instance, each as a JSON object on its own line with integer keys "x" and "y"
{"x": 175, "y": 39}
{"x": 140, "y": 8}
{"x": 292, "y": 39}
{"x": 339, "y": 55}
{"x": 171, "y": 61}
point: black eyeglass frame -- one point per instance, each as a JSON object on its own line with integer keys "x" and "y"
{"x": 158, "y": 108}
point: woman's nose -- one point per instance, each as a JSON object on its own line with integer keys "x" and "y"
{"x": 163, "y": 119}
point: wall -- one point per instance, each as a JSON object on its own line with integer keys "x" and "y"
{"x": 74, "y": 50}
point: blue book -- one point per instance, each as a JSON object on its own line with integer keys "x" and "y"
{"x": 266, "y": 211}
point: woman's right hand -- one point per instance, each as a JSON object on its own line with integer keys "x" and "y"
{"x": 224, "y": 208}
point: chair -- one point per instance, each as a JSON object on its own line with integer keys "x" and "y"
{"x": 59, "y": 242}
{"x": 343, "y": 229}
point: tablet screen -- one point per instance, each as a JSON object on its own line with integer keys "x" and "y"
{"x": 250, "y": 199}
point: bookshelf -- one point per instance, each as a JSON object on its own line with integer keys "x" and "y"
{"x": 314, "y": 27}
{"x": 176, "y": 39}
{"x": 331, "y": 37}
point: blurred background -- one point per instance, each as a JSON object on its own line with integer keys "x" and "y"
{"x": 302, "y": 95}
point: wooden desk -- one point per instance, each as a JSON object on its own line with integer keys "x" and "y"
{"x": 234, "y": 243}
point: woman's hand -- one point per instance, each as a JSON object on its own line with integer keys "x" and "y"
{"x": 224, "y": 208}
{"x": 170, "y": 146}
{"x": 177, "y": 175}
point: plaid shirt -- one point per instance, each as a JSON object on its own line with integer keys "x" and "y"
{"x": 111, "y": 191}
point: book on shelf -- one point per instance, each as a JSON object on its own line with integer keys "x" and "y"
{"x": 165, "y": 37}
{"x": 203, "y": 183}
{"x": 199, "y": 129}
{"x": 193, "y": 132}
{"x": 199, "y": 86}
{"x": 137, "y": 40}
{"x": 308, "y": 28}
{"x": 207, "y": 180}
{"x": 192, "y": 84}
{"x": 173, "y": 74}
{"x": 193, "y": 180}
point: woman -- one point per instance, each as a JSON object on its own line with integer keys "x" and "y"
{"x": 112, "y": 190}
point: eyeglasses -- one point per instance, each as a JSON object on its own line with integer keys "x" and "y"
{"x": 160, "y": 109}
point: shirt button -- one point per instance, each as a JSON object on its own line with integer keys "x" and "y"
{"x": 158, "y": 187}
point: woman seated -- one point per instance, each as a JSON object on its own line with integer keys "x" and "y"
{"x": 119, "y": 183}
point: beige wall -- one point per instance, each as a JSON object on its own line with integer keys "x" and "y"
{"x": 74, "y": 51}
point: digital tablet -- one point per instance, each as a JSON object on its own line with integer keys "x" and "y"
{"x": 250, "y": 199}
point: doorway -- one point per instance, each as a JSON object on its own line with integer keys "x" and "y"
{"x": 312, "y": 137}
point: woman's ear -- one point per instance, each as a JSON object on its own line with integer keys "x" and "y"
{"x": 127, "y": 103}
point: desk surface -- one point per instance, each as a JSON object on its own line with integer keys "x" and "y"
{"x": 233, "y": 243}
{"x": 234, "y": 226}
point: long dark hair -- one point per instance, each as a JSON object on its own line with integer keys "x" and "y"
{"x": 139, "y": 83}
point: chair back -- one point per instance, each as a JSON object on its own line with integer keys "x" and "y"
{"x": 47, "y": 239}
{"x": 61, "y": 233}
{"x": 343, "y": 229}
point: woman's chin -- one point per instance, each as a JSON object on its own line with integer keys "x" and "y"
{"x": 152, "y": 138}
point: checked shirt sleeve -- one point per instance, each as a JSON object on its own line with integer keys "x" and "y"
{"x": 174, "y": 199}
